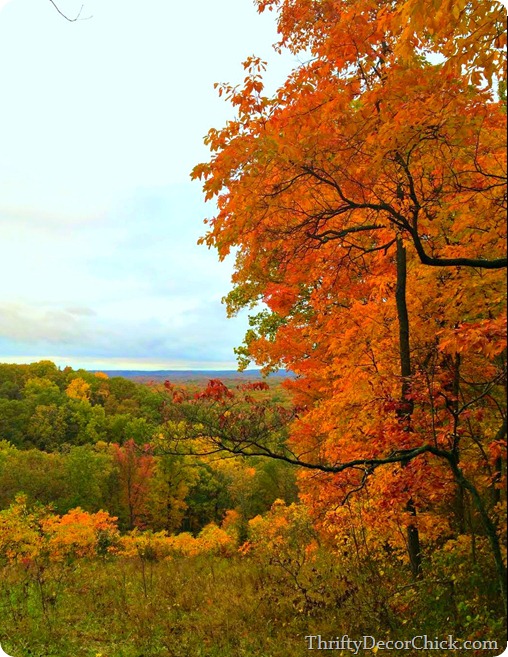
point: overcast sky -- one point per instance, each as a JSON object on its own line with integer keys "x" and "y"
{"x": 101, "y": 121}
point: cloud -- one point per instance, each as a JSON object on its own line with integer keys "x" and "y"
{"x": 133, "y": 285}
{"x": 86, "y": 312}
{"x": 196, "y": 335}
{"x": 31, "y": 325}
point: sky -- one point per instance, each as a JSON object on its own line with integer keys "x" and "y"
{"x": 101, "y": 122}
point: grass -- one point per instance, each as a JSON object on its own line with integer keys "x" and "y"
{"x": 205, "y": 606}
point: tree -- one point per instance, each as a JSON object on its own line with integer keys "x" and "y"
{"x": 39, "y": 476}
{"x": 47, "y": 427}
{"x": 78, "y": 389}
{"x": 135, "y": 470}
{"x": 87, "y": 474}
{"x": 42, "y": 391}
{"x": 167, "y": 493}
{"x": 366, "y": 203}
{"x": 14, "y": 417}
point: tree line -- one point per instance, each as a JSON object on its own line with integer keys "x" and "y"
{"x": 79, "y": 439}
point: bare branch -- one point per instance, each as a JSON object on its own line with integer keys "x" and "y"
{"x": 67, "y": 18}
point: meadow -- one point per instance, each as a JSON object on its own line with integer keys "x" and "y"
{"x": 114, "y": 543}
{"x": 215, "y": 606}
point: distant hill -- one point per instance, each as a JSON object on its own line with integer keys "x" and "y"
{"x": 193, "y": 375}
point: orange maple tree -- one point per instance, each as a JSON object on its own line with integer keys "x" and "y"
{"x": 366, "y": 203}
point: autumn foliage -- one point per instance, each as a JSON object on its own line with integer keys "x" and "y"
{"x": 35, "y": 536}
{"x": 366, "y": 204}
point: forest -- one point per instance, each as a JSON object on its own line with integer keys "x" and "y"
{"x": 79, "y": 439}
{"x": 363, "y": 496}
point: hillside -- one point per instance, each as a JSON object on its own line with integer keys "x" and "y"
{"x": 145, "y": 376}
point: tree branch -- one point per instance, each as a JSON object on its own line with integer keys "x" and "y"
{"x": 67, "y": 18}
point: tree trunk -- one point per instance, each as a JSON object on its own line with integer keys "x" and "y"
{"x": 489, "y": 526}
{"x": 406, "y": 404}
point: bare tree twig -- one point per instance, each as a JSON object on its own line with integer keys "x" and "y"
{"x": 67, "y": 18}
